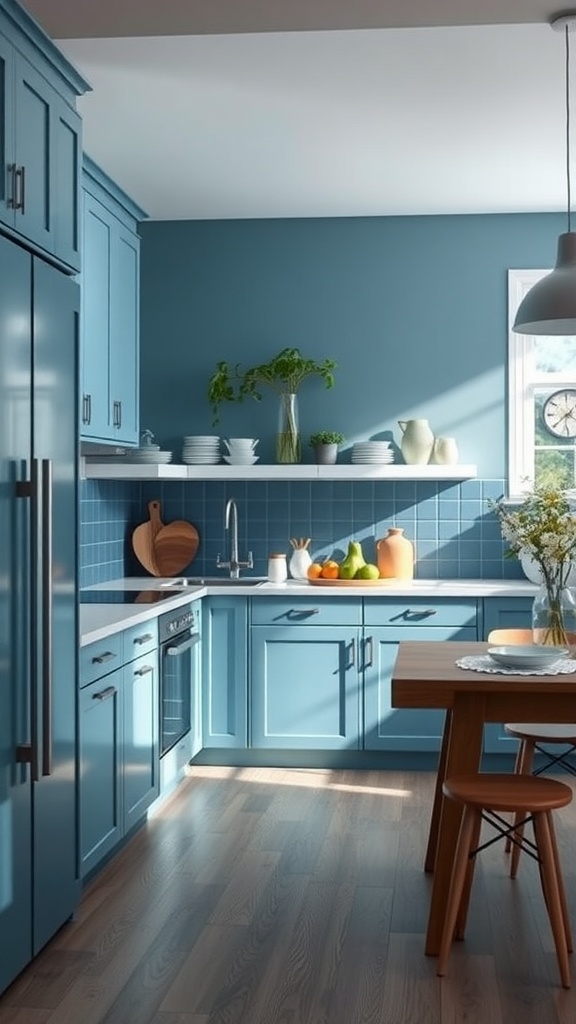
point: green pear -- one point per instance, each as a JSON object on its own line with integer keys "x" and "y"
{"x": 368, "y": 572}
{"x": 353, "y": 562}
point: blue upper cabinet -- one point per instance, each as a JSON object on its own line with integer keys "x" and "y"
{"x": 110, "y": 312}
{"x": 40, "y": 139}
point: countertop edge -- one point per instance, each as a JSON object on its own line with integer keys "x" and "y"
{"x": 97, "y": 621}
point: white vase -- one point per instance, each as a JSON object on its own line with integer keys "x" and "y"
{"x": 300, "y": 562}
{"x": 417, "y": 441}
{"x": 444, "y": 452}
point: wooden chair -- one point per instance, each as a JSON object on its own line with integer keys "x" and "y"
{"x": 531, "y": 735}
{"x": 485, "y": 797}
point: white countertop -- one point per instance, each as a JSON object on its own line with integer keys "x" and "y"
{"x": 100, "y": 620}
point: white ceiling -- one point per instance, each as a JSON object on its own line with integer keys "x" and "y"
{"x": 232, "y": 119}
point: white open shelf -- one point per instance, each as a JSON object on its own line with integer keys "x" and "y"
{"x": 172, "y": 471}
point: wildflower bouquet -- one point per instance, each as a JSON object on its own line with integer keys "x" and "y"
{"x": 544, "y": 527}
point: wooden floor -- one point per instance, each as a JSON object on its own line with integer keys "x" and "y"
{"x": 267, "y": 896}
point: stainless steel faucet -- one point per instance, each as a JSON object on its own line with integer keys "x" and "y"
{"x": 231, "y": 526}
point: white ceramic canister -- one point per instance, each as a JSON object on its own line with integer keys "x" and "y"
{"x": 445, "y": 452}
{"x": 417, "y": 441}
{"x": 277, "y": 567}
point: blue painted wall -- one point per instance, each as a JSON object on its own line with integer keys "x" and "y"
{"x": 414, "y": 309}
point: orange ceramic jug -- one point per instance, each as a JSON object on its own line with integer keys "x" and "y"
{"x": 395, "y": 555}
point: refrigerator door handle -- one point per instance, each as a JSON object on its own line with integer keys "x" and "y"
{"x": 46, "y": 605}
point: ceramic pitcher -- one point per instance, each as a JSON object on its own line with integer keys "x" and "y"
{"x": 417, "y": 441}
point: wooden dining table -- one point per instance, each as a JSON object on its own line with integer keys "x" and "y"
{"x": 425, "y": 675}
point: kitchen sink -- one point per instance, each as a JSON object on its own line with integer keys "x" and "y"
{"x": 215, "y": 581}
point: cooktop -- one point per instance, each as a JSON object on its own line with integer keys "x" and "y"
{"x": 126, "y": 596}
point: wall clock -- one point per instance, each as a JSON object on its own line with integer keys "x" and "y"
{"x": 559, "y": 413}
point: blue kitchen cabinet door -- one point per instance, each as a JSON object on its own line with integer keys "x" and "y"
{"x": 42, "y": 142}
{"x": 110, "y": 390}
{"x": 305, "y": 688}
{"x": 124, "y": 335}
{"x": 225, "y": 672}
{"x": 100, "y": 760}
{"x": 140, "y": 760}
{"x": 399, "y": 729}
{"x": 504, "y": 613}
{"x": 95, "y": 321}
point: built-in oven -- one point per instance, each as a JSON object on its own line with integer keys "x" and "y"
{"x": 179, "y": 636}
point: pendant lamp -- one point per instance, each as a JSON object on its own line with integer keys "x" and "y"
{"x": 550, "y": 306}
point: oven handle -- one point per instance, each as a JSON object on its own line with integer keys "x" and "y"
{"x": 176, "y": 649}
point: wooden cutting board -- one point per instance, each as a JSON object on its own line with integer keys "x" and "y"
{"x": 175, "y": 546}
{"x": 143, "y": 539}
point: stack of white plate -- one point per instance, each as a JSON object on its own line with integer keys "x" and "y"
{"x": 151, "y": 454}
{"x": 372, "y": 453}
{"x": 201, "y": 450}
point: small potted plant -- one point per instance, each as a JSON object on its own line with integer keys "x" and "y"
{"x": 325, "y": 444}
{"x": 284, "y": 374}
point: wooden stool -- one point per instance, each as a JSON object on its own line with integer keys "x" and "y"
{"x": 484, "y": 796}
{"x": 531, "y": 736}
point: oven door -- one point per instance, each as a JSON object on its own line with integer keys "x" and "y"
{"x": 177, "y": 668}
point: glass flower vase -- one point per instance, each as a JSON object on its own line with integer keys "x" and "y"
{"x": 288, "y": 444}
{"x": 554, "y": 615}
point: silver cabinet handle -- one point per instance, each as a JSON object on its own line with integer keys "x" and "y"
{"x": 110, "y": 691}
{"x": 101, "y": 659}
{"x": 86, "y": 409}
{"x": 21, "y": 177}
{"x": 409, "y": 614}
{"x": 301, "y": 613}
{"x": 144, "y": 671}
{"x": 47, "y": 597}
{"x": 117, "y": 413}
{"x": 351, "y": 647}
{"x": 368, "y": 647}
{"x": 144, "y": 639}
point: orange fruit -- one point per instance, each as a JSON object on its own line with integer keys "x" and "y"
{"x": 314, "y": 571}
{"x": 330, "y": 570}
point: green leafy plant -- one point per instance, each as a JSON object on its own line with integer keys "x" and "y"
{"x": 325, "y": 437}
{"x": 284, "y": 374}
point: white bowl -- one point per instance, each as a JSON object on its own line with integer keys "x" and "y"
{"x": 523, "y": 656}
{"x": 237, "y": 460}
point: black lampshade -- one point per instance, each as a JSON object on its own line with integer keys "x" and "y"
{"x": 550, "y": 305}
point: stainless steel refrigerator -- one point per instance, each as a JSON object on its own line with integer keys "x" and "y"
{"x": 39, "y": 885}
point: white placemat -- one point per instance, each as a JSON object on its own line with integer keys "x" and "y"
{"x": 484, "y": 663}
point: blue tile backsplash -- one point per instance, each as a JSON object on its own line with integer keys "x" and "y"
{"x": 454, "y": 534}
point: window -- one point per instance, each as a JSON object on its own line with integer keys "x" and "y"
{"x": 537, "y": 367}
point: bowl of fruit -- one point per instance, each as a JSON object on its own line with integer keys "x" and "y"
{"x": 353, "y": 571}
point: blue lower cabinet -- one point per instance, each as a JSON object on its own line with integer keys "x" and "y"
{"x": 100, "y": 747}
{"x": 140, "y": 762}
{"x": 504, "y": 613}
{"x": 401, "y": 729}
{"x": 118, "y": 752}
{"x": 225, "y": 672}
{"x": 305, "y": 687}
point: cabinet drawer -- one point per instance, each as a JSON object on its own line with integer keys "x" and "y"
{"x": 419, "y": 611}
{"x": 100, "y": 658}
{"x": 304, "y": 611}
{"x": 140, "y": 639}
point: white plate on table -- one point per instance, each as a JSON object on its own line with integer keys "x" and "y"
{"x": 525, "y": 656}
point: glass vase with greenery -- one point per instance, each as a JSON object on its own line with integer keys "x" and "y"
{"x": 284, "y": 374}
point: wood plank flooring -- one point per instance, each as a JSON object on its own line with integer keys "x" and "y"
{"x": 273, "y": 896}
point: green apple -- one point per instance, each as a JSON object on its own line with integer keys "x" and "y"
{"x": 368, "y": 572}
